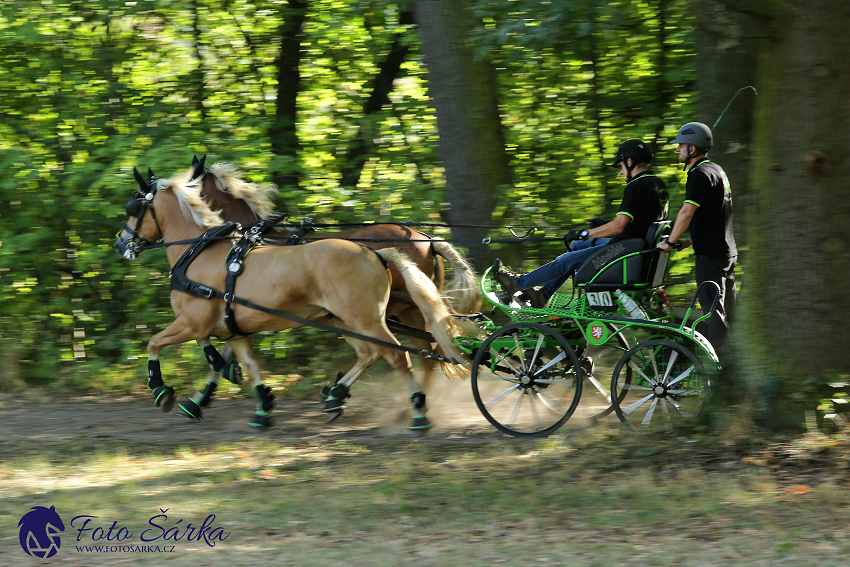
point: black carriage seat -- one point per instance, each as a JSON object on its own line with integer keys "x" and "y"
{"x": 634, "y": 272}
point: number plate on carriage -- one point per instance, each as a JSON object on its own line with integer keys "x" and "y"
{"x": 600, "y": 300}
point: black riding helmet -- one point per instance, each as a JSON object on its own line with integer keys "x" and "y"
{"x": 635, "y": 149}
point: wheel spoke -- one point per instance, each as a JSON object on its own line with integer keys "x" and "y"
{"x": 670, "y": 364}
{"x": 504, "y": 358}
{"x": 537, "y": 349}
{"x": 682, "y": 376}
{"x": 515, "y": 412}
{"x": 600, "y": 388}
{"x": 637, "y": 369}
{"x": 496, "y": 399}
{"x": 547, "y": 402}
{"x": 519, "y": 351}
{"x": 632, "y": 407}
{"x": 566, "y": 382}
{"x": 549, "y": 364}
{"x": 648, "y": 417}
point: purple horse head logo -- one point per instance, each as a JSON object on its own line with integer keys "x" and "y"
{"x": 39, "y": 532}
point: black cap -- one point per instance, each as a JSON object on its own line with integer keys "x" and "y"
{"x": 635, "y": 149}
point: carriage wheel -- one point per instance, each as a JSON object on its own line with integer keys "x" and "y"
{"x": 670, "y": 385}
{"x": 526, "y": 379}
{"x": 597, "y": 366}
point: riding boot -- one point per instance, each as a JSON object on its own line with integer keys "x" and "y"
{"x": 504, "y": 277}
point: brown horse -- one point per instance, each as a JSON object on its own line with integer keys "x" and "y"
{"x": 334, "y": 280}
{"x": 247, "y": 203}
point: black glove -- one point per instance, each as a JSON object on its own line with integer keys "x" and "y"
{"x": 573, "y": 235}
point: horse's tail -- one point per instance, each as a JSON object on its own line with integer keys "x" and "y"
{"x": 427, "y": 298}
{"x": 461, "y": 291}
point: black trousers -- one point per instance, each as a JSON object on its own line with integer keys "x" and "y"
{"x": 722, "y": 272}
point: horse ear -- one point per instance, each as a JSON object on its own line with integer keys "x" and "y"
{"x": 198, "y": 167}
{"x": 194, "y": 160}
{"x": 143, "y": 185}
{"x": 151, "y": 174}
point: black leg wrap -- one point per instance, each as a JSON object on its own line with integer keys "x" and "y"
{"x": 326, "y": 391}
{"x": 335, "y": 402}
{"x": 214, "y": 358}
{"x": 418, "y": 400}
{"x": 232, "y": 371}
{"x": 265, "y": 398}
{"x": 163, "y": 396}
{"x": 265, "y": 403}
{"x": 207, "y": 394}
{"x": 154, "y": 375}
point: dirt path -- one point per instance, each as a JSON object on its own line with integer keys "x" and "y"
{"x": 378, "y": 409}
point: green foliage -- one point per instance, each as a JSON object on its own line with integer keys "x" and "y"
{"x": 92, "y": 89}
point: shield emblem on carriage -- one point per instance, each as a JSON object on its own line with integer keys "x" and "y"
{"x": 596, "y": 332}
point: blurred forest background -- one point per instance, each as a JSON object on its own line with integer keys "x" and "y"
{"x": 471, "y": 113}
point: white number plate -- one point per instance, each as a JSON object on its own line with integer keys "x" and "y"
{"x": 599, "y": 299}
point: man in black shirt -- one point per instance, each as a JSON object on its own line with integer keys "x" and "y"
{"x": 707, "y": 212}
{"x": 644, "y": 202}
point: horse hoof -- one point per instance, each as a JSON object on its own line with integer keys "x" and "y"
{"x": 190, "y": 410}
{"x": 334, "y": 405}
{"x": 420, "y": 425}
{"x": 163, "y": 398}
{"x": 333, "y": 415}
{"x": 261, "y": 421}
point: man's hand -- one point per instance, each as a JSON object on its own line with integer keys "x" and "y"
{"x": 573, "y": 235}
{"x": 666, "y": 246}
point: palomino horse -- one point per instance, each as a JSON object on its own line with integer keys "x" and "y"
{"x": 334, "y": 279}
{"x": 247, "y": 203}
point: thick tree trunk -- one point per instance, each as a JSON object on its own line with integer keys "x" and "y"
{"x": 472, "y": 143}
{"x": 795, "y": 298}
{"x": 727, "y": 59}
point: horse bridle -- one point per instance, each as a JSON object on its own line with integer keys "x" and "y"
{"x": 137, "y": 207}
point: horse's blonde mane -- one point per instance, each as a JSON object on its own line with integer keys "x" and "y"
{"x": 194, "y": 208}
{"x": 260, "y": 198}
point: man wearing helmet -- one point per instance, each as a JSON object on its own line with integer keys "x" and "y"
{"x": 707, "y": 213}
{"x": 644, "y": 202}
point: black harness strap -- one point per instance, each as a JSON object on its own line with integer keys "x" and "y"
{"x": 179, "y": 281}
{"x": 296, "y": 234}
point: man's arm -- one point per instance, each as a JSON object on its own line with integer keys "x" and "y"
{"x": 683, "y": 221}
{"x": 612, "y": 228}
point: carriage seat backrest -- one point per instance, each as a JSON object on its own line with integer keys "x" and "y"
{"x": 638, "y": 269}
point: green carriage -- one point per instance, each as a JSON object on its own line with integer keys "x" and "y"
{"x": 610, "y": 345}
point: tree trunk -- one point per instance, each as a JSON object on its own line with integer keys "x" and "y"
{"x": 727, "y": 59}
{"x": 282, "y": 134}
{"x": 795, "y": 299}
{"x": 472, "y": 143}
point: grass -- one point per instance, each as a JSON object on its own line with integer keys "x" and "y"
{"x": 597, "y": 500}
